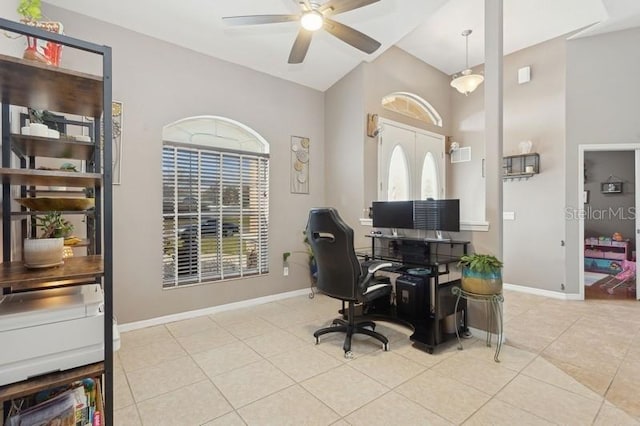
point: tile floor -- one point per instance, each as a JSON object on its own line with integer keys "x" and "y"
{"x": 565, "y": 362}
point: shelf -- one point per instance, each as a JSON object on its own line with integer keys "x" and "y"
{"x": 44, "y": 212}
{"x": 49, "y": 177}
{"x": 517, "y": 176}
{"x": 40, "y": 86}
{"x": 34, "y": 146}
{"x": 37, "y": 384}
{"x": 17, "y": 277}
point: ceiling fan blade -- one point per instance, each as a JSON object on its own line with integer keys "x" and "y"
{"x": 300, "y": 46}
{"x": 259, "y": 19}
{"x": 351, "y": 36}
{"x": 333, "y": 7}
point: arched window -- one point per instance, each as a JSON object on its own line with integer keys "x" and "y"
{"x": 411, "y": 105}
{"x": 215, "y": 175}
{"x": 429, "y": 185}
{"x": 398, "y": 186}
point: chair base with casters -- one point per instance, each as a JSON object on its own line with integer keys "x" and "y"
{"x": 350, "y": 327}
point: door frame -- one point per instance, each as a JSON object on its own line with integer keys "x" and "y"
{"x": 385, "y": 121}
{"x": 582, "y": 148}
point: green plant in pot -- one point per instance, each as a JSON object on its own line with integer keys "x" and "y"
{"x": 481, "y": 274}
{"x": 47, "y": 248}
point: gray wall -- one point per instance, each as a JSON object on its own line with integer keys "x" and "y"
{"x": 160, "y": 83}
{"x": 609, "y": 213}
{"x": 602, "y": 98}
{"x": 532, "y": 111}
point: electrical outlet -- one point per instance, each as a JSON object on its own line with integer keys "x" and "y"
{"x": 286, "y": 271}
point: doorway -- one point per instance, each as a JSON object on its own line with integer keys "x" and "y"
{"x": 608, "y": 221}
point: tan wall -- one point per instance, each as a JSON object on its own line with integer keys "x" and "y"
{"x": 602, "y": 107}
{"x": 533, "y": 111}
{"x": 158, "y": 84}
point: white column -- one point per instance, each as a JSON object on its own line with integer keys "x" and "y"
{"x": 493, "y": 123}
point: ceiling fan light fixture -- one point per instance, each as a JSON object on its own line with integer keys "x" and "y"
{"x": 466, "y": 82}
{"x": 312, "y": 20}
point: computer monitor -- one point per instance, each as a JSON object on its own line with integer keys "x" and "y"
{"x": 393, "y": 214}
{"x": 439, "y": 215}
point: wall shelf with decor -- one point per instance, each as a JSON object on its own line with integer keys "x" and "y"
{"x": 39, "y": 289}
{"x": 521, "y": 166}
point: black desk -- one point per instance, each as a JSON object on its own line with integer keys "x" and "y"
{"x": 429, "y": 254}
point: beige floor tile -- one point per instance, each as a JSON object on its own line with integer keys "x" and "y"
{"x": 525, "y": 340}
{"x": 127, "y": 416}
{"x": 444, "y": 396}
{"x": 250, "y": 328}
{"x": 510, "y": 357}
{"x": 291, "y": 406}
{"x": 594, "y": 380}
{"x": 394, "y": 409}
{"x": 583, "y": 356}
{"x": 388, "y": 368}
{"x": 340, "y": 422}
{"x": 148, "y": 382}
{"x": 332, "y": 344}
{"x": 422, "y": 357}
{"x": 624, "y": 394}
{"x": 484, "y": 375}
{"x": 231, "y": 419}
{"x": 247, "y": 384}
{"x": 206, "y": 340}
{"x": 292, "y": 316}
{"x": 498, "y": 413}
{"x": 611, "y": 415}
{"x": 305, "y": 330}
{"x": 344, "y": 389}
{"x": 547, "y": 372}
{"x": 304, "y": 362}
{"x": 190, "y": 405}
{"x": 122, "y": 396}
{"x": 269, "y": 308}
{"x": 549, "y": 402}
{"x": 234, "y": 315}
{"x": 276, "y": 342}
{"x": 117, "y": 365}
{"x": 144, "y": 336}
{"x": 225, "y": 358}
{"x": 150, "y": 355}
{"x": 190, "y": 326}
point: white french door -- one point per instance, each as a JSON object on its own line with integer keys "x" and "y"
{"x": 410, "y": 163}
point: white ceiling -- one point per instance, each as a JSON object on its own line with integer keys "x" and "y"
{"x": 427, "y": 29}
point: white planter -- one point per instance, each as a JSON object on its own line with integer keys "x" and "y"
{"x": 43, "y": 252}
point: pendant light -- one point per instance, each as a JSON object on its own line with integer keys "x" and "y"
{"x": 466, "y": 82}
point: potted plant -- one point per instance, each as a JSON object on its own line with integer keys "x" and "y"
{"x": 47, "y": 249}
{"x": 39, "y": 50}
{"x": 481, "y": 274}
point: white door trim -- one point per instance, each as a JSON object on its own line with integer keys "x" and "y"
{"x": 582, "y": 148}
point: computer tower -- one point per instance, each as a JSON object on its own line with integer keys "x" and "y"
{"x": 412, "y": 296}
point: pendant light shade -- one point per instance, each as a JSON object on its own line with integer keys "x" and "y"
{"x": 466, "y": 82}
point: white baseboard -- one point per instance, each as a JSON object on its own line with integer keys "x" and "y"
{"x": 540, "y": 292}
{"x": 208, "y": 311}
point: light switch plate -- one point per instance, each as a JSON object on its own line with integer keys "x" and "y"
{"x": 508, "y": 215}
{"x": 524, "y": 75}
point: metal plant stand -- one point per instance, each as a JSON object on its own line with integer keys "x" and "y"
{"x": 493, "y": 312}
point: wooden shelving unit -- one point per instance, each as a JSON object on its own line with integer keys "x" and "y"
{"x": 34, "y": 146}
{"x": 29, "y": 387}
{"x": 31, "y": 84}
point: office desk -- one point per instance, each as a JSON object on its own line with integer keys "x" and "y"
{"x": 433, "y": 258}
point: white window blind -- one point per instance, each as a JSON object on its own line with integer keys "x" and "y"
{"x": 215, "y": 214}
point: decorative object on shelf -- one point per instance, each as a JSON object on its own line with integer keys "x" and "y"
{"x": 48, "y": 249}
{"x": 520, "y": 166}
{"x": 40, "y": 50}
{"x": 481, "y": 274}
{"x": 466, "y": 82}
{"x": 525, "y": 147}
{"x": 617, "y": 237}
{"x": 299, "y": 165}
{"x": 613, "y": 185}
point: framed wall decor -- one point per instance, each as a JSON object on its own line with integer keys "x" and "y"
{"x": 300, "y": 165}
{"x": 611, "y": 187}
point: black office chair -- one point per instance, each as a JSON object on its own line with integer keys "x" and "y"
{"x": 341, "y": 276}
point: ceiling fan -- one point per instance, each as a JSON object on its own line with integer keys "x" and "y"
{"x": 314, "y": 16}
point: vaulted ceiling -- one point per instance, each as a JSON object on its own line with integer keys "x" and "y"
{"x": 427, "y": 29}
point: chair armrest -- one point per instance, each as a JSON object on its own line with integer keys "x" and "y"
{"x": 376, "y": 265}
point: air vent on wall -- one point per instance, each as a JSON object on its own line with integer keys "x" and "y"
{"x": 461, "y": 155}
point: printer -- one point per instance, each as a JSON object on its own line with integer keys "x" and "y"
{"x": 51, "y": 330}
